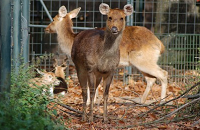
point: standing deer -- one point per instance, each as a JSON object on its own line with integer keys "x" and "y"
{"x": 62, "y": 25}
{"x": 139, "y": 47}
{"x": 96, "y": 54}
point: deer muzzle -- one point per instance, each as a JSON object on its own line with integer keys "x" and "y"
{"x": 114, "y": 30}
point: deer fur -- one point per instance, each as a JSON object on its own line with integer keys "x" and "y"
{"x": 62, "y": 25}
{"x": 60, "y": 69}
{"x": 60, "y": 74}
{"x": 47, "y": 79}
{"x": 139, "y": 48}
{"x": 96, "y": 54}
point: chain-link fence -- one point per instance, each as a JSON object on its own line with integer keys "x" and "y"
{"x": 174, "y": 22}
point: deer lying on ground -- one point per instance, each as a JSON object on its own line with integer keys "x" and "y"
{"x": 139, "y": 47}
{"x": 60, "y": 74}
{"x": 95, "y": 54}
{"x": 47, "y": 79}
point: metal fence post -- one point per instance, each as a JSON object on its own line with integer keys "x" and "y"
{"x": 5, "y": 45}
{"x": 16, "y": 34}
{"x": 128, "y": 69}
{"x": 25, "y": 29}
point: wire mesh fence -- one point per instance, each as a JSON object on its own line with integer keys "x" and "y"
{"x": 174, "y": 22}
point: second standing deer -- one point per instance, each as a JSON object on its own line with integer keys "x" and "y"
{"x": 96, "y": 54}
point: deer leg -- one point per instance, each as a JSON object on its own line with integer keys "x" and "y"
{"x": 92, "y": 86}
{"x": 164, "y": 86}
{"x": 156, "y": 71}
{"x": 98, "y": 80}
{"x": 88, "y": 96}
{"x": 106, "y": 86}
{"x": 83, "y": 83}
{"x": 150, "y": 81}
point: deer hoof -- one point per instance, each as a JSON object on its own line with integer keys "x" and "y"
{"x": 83, "y": 118}
{"x": 105, "y": 120}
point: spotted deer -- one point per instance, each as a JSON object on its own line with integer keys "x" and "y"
{"x": 139, "y": 47}
{"x": 47, "y": 79}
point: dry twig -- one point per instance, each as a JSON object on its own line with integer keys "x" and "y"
{"x": 198, "y": 83}
{"x": 183, "y": 106}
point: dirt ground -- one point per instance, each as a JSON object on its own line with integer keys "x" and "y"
{"x": 123, "y": 112}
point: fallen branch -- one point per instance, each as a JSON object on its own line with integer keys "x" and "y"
{"x": 69, "y": 108}
{"x": 183, "y": 106}
{"x": 192, "y": 96}
{"x": 74, "y": 110}
{"x": 198, "y": 83}
{"x": 74, "y": 114}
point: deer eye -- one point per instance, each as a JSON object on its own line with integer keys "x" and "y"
{"x": 122, "y": 19}
{"x": 109, "y": 18}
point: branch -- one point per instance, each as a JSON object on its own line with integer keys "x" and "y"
{"x": 198, "y": 83}
{"x": 69, "y": 108}
{"x": 74, "y": 114}
{"x": 192, "y": 96}
{"x": 183, "y": 106}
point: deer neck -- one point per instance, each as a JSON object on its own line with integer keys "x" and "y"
{"x": 112, "y": 41}
{"x": 65, "y": 36}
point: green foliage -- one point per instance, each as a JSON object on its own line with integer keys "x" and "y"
{"x": 25, "y": 108}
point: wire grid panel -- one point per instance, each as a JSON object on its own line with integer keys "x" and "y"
{"x": 174, "y": 22}
{"x": 89, "y": 16}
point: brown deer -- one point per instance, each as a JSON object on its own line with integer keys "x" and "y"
{"x": 60, "y": 69}
{"x": 62, "y": 25}
{"x": 60, "y": 74}
{"x": 47, "y": 79}
{"x": 96, "y": 54}
{"x": 139, "y": 48}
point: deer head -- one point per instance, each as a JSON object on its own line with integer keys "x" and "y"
{"x": 115, "y": 21}
{"x": 48, "y": 78}
{"x": 60, "y": 17}
{"x": 60, "y": 69}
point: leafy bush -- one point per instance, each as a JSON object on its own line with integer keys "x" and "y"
{"x": 26, "y": 107}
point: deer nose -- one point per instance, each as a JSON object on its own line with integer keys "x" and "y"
{"x": 114, "y": 30}
{"x": 46, "y": 30}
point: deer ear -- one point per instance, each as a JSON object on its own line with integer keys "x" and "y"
{"x": 64, "y": 68}
{"x": 55, "y": 64}
{"x": 74, "y": 12}
{"x": 128, "y": 9}
{"x": 40, "y": 72}
{"x": 62, "y": 11}
{"x": 104, "y": 8}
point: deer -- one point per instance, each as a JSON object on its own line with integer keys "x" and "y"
{"x": 60, "y": 74}
{"x": 96, "y": 55}
{"x": 63, "y": 25}
{"x": 139, "y": 48}
{"x": 47, "y": 79}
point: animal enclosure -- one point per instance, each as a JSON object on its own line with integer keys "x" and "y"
{"x": 175, "y": 22}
